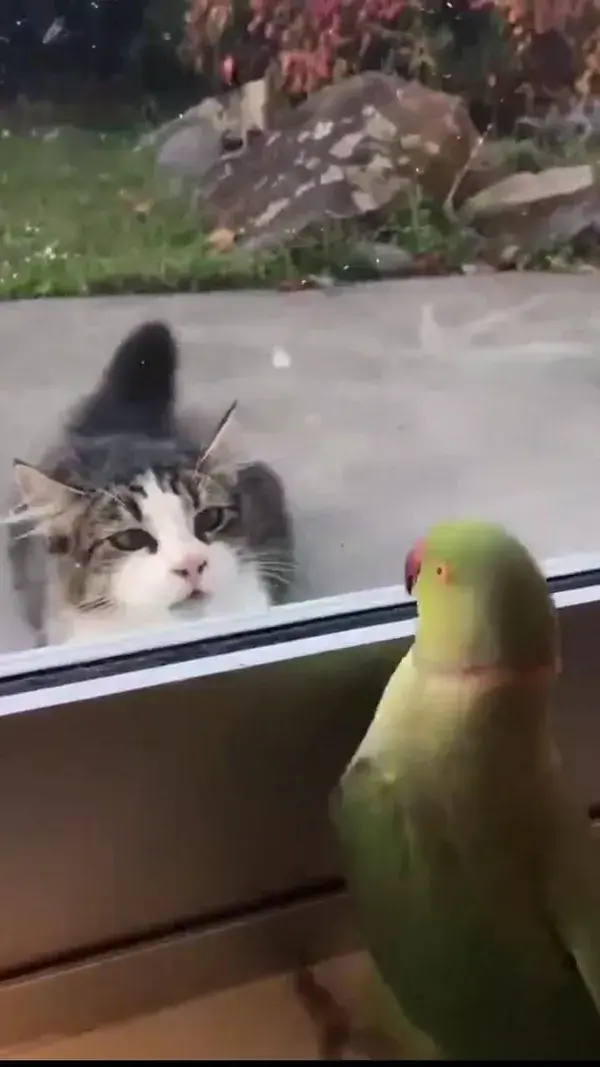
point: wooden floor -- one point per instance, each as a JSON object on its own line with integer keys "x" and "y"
{"x": 260, "y": 1021}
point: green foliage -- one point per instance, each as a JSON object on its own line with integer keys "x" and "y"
{"x": 314, "y": 42}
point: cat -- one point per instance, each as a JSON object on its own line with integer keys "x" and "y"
{"x": 134, "y": 520}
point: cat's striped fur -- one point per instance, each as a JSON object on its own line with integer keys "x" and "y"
{"x": 133, "y": 520}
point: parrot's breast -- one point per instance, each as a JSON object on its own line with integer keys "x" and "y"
{"x": 449, "y": 882}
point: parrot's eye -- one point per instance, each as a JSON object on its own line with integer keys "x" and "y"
{"x": 442, "y": 573}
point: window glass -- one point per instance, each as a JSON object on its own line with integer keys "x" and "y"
{"x": 283, "y": 283}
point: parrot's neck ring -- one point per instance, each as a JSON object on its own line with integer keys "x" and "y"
{"x": 490, "y": 674}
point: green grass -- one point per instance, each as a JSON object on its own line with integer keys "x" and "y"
{"x": 81, "y": 213}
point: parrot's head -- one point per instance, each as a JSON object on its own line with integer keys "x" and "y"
{"x": 483, "y": 602}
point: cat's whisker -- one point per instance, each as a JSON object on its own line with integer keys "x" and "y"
{"x": 95, "y": 604}
{"x": 282, "y": 574}
{"x": 28, "y": 514}
{"x": 282, "y": 580}
{"x": 277, "y": 579}
{"x": 109, "y": 494}
{"x": 268, "y": 558}
{"x": 75, "y": 491}
{"x": 277, "y": 570}
{"x": 26, "y": 534}
{"x": 285, "y": 580}
{"x": 274, "y": 565}
{"x": 30, "y": 527}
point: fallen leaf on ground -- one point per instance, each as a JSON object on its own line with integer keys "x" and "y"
{"x": 141, "y": 208}
{"x": 221, "y": 240}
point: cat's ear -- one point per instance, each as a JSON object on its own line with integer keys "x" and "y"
{"x": 40, "y": 493}
{"x": 218, "y": 435}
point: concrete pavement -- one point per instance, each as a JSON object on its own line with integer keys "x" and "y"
{"x": 390, "y": 405}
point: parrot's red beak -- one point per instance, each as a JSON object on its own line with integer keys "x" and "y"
{"x": 412, "y": 566}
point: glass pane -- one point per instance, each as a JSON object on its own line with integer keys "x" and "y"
{"x": 283, "y": 283}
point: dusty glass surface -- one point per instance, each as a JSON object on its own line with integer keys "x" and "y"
{"x": 342, "y": 259}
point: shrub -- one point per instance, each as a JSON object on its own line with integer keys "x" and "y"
{"x": 314, "y": 42}
{"x": 491, "y": 51}
{"x": 318, "y": 41}
{"x": 466, "y": 47}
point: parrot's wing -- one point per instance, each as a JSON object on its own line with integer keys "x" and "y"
{"x": 374, "y": 843}
{"x": 365, "y": 813}
{"x": 379, "y": 845}
{"x": 575, "y": 895}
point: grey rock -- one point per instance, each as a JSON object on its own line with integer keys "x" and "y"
{"x": 210, "y": 110}
{"x": 387, "y": 259}
{"x": 190, "y": 151}
{"x": 188, "y": 146}
{"x": 534, "y": 211}
{"x": 367, "y": 144}
{"x": 580, "y": 124}
{"x": 553, "y": 130}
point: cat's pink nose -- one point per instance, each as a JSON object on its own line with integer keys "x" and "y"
{"x": 190, "y": 567}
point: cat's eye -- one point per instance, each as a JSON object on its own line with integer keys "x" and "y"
{"x": 210, "y": 521}
{"x": 133, "y": 540}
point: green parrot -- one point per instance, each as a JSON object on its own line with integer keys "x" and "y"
{"x": 475, "y": 879}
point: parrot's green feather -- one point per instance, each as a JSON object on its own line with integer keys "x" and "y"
{"x": 476, "y": 885}
{"x": 575, "y": 893}
{"x": 384, "y": 1016}
{"x": 482, "y": 613}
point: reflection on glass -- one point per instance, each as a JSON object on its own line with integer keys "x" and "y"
{"x": 443, "y": 152}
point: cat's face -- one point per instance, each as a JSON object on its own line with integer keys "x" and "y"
{"x": 143, "y": 512}
{"x": 165, "y": 539}
{"x": 170, "y": 545}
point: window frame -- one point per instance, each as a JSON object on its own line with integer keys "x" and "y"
{"x": 108, "y": 764}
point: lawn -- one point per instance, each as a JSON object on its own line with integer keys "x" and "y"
{"x": 82, "y": 213}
